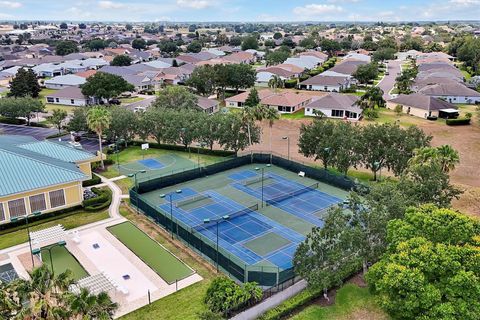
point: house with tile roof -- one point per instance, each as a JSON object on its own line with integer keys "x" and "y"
{"x": 40, "y": 176}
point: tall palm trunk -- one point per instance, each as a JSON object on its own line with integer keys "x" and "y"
{"x": 100, "y": 149}
{"x": 271, "y": 129}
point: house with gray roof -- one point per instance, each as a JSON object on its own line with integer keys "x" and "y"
{"x": 68, "y": 80}
{"x": 423, "y": 106}
{"x": 452, "y": 92}
{"x": 335, "y": 105}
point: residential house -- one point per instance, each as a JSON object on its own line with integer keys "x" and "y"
{"x": 68, "y": 80}
{"x": 304, "y": 62}
{"x": 240, "y": 57}
{"x": 40, "y": 176}
{"x": 48, "y": 70}
{"x": 238, "y": 101}
{"x": 452, "y": 92}
{"x": 423, "y": 106}
{"x": 320, "y": 55}
{"x": 326, "y": 83}
{"x": 70, "y": 96}
{"x": 335, "y": 105}
{"x": 286, "y": 102}
{"x": 264, "y": 75}
{"x": 208, "y": 105}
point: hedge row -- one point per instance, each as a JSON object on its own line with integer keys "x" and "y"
{"x": 35, "y": 220}
{"x": 291, "y": 83}
{"x": 12, "y": 121}
{"x": 174, "y": 147}
{"x": 290, "y": 305}
{"x": 458, "y": 122}
{"x": 103, "y": 200}
{"x": 95, "y": 180}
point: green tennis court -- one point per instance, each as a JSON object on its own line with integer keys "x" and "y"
{"x": 62, "y": 260}
{"x": 169, "y": 267}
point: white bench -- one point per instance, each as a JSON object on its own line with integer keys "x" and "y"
{"x": 301, "y": 174}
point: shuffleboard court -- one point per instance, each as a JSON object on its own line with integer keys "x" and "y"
{"x": 63, "y": 260}
{"x": 164, "y": 263}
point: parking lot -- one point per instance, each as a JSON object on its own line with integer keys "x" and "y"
{"x": 89, "y": 144}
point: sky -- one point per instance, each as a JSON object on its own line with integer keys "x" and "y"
{"x": 240, "y": 10}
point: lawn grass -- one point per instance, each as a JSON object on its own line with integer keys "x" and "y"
{"x": 299, "y": 114}
{"x": 389, "y": 116}
{"x": 466, "y": 74}
{"x": 183, "y": 304}
{"x": 124, "y": 184}
{"x": 135, "y": 153}
{"x": 350, "y": 302}
{"x": 168, "y": 267}
{"x": 50, "y": 107}
{"x": 68, "y": 220}
{"x": 130, "y": 100}
{"x": 62, "y": 261}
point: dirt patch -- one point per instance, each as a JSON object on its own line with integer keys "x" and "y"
{"x": 358, "y": 280}
{"x": 321, "y": 301}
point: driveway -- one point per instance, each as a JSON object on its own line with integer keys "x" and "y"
{"x": 388, "y": 82}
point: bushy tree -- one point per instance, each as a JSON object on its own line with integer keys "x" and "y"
{"x": 121, "y": 60}
{"x": 105, "y": 86}
{"x": 366, "y": 72}
{"x": 194, "y": 47}
{"x": 252, "y": 99}
{"x": 276, "y": 57}
{"x": 24, "y": 84}
{"x": 177, "y": 98}
{"x": 96, "y": 44}
{"x": 78, "y": 122}
{"x": 202, "y": 80}
{"x": 123, "y": 124}
{"x": 66, "y": 47}
{"x": 139, "y": 44}
{"x": 20, "y": 108}
{"x": 57, "y": 118}
{"x": 249, "y": 42}
{"x": 430, "y": 270}
{"x": 234, "y": 133}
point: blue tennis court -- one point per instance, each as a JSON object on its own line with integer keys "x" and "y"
{"x": 151, "y": 163}
{"x": 237, "y": 234}
{"x": 302, "y": 201}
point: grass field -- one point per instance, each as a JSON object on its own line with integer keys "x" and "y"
{"x": 69, "y": 221}
{"x": 130, "y": 100}
{"x": 155, "y": 256}
{"x": 300, "y": 114}
{"x": 50, "y": 107}
{"x": 351, "y": 302}
{"x": 183, "y": 304}
{"x": 63, "y": 260}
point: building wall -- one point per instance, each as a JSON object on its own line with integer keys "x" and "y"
{"x": 323, "y": 88}
{"x": 417, "y": 112}
{"x": 68, "y": 102}
{"x": 86, "y": 168}
{"x": 328, "y": 113}
{"x": 57, "y": 85}
{"x": 459, "y": 99}
{"x": 73, "y": 194}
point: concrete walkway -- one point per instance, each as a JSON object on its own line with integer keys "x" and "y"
{"x": 113, "y": 210}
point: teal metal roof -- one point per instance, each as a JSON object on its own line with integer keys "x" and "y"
{"x": 19, "y": 173}
{"x": 57, "y": 151}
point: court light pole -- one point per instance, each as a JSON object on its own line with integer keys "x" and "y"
{"x": 134, "y": 175}
{"x": 224, "y": 218}
{"x": 170, "y": 195}
{"x": 49, "y": 249}
{"x": 36, "y": 213}
{"x": 117, "y": 151}
{"x": 288, "y": 145}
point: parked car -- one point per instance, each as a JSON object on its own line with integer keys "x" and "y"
{"x": 114, "y": 101}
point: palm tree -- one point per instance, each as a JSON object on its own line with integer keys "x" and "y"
{"x": 275, "y": 82}
{"x": 448, "y": 158}
{"x": 44, "y": 293}
{"x": 98, "y": 119}
{"x": 270, "y": 114}
{"x": 90, "y": 306}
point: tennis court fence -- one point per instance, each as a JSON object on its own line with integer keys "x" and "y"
{"x": 264, "y": 275}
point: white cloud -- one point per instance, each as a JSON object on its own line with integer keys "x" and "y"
{"x": 10, "y": 4}
{"x": 267, "y": 18}
{"x": 110, "y": 5}
{"x": 466, "y": 2}
{"x": 194, "y": 4}
{"x": 317, "y": 9}
{"x": 343, "y": 1}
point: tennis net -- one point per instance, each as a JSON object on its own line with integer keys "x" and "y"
{"x": 236, "y": 214}
{"x": 292, "y": 194}
{"x": 190, "y": 200}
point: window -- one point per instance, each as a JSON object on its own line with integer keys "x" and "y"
{"x": 337, "y": 113}
{"x": 57, "y": 198}
{"x": 37, "y": 203}
{"x": 57, "y": 100}
{"x": 308, "y": 109}
{"x": 17, "y": 208}
{"x": 2, "y": 213}
{"x": 72, "y": 101}
{"x": 353, "y": 115}
{"x": 50, "y": 100}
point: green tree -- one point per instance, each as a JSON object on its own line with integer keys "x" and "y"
{"x": 105, "y": 86}
{"x": 252, "y": 99}
{"x": 121, "y": 60}
{"x": 234, "y": 133}
{"x": 176, "y": 98}
{"x": 202, "y": 80}
{"x": 24, "y": 107}
{"x": 123, "y": 124}
{"x": 96, "y": 45}
{"x": 86, "y": 305}
{"x": 241, "y": 76}
{"x": 57, "y": 118}
{"x": 194, "y": 46}
{"x": 78, "y": 122}
{"x": 384, "y": 54}
{"x": 430, "y": 270}
{"x": 24, "y": 84}
{"x": 98, "y": 120}
{"x": 315, "y": 141}
{"x": 210, "y": 128}
{"x": 167, "y": 46}
{"x": 276, "y": 83}
{"x": 276, "y": 57}
{"x": 398, "y": 109}
{"x": 445, "y": 156}
{"x": 139, "y": 44}
{"x": 366, "y": 72}
{"x": 66, "y": 47}
{"x": 277, "y": 35}
{"x": 308, "y": 43}
{"x": 249, "y": 42}
{"x": 330, "y": 46}
{"x": 372, "y": 98}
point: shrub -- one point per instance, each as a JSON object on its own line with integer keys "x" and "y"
{"x": 220, "y": 153}
{"x": 288, "y": 306}
{"x": 102, "y": 201}
{"x": 38, "y": 125}
{"x": 304, "y": 77}
{"x": 292, "y": 83}
{"x": 12, "y": 121}
{"x": 458, "y": 122}
{"x": 95, "y": 180}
